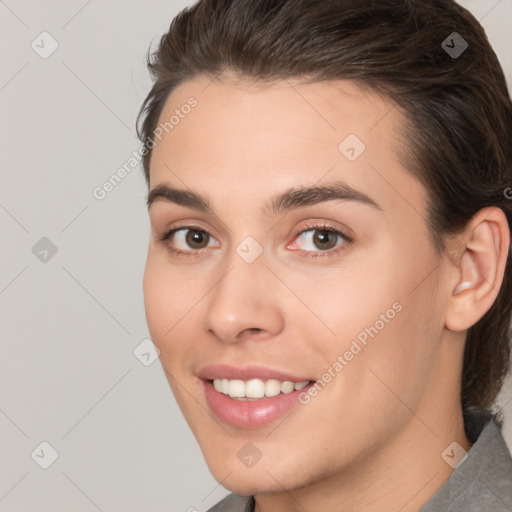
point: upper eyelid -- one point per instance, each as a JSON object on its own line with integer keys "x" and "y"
{"x": 340, "y": 233}
{"x": 318, "y": 227}
{"x": 190, "y": 225}
{"x": 324, "y": 225}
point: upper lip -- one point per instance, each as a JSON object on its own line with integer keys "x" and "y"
{"x": 225, "y": 371}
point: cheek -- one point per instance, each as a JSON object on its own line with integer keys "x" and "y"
{"x": 156, "y": 300}
{"x": 170, "y": 318}
{"x": 169, "y": 304}
{"x": 397, "y": 320}
{"x": 381, "y": 306}
{"x": 344, "y": 300}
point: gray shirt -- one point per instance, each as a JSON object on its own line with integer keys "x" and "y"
{"x": 483, "y": 482}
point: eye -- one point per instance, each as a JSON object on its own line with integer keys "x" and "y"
{"x": 320, "y": 239}
{"x": 187, "y": 240}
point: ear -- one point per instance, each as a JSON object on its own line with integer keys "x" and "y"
{"x": 477, "y": 265}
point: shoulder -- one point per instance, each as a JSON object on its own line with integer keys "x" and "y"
{"x": 483, "y": 481}
{"x": 234, "y": 503}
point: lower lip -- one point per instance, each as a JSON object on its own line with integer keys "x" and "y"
{"x": 250, "y": 413}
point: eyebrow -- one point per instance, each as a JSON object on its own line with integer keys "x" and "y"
{"x": 293, "y": 198}
{"x": 181, "y": 197}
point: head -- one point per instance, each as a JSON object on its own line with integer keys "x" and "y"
{"x": 339, "y": 188}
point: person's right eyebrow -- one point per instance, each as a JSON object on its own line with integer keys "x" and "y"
{"x": 180, "y": 197}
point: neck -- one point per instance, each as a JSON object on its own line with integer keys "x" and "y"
{"x": 403, "y": 475}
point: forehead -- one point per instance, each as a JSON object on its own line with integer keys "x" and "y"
{"x": 322, "y": 111}
{"x": 246, "y": 137}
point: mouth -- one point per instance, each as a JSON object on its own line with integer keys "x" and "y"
{"x": 251, "y": 398}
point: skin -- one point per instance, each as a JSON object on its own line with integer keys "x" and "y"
{"x": 372, "y": 439}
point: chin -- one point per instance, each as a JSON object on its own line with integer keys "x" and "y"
{"x": 260, "y": 479}
{"x": 250, "y": 486}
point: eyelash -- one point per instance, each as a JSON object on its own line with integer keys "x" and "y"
{"x": 347, "y": 240}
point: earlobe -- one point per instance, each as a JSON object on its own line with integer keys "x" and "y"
{"x": 479, "y": 269}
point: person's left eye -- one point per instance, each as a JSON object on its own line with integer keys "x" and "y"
{"x": 319, "y": 239}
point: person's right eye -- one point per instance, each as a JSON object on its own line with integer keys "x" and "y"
{"x": 187, "y": 241}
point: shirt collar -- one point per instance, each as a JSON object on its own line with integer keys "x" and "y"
{"x": 483, "y": 480}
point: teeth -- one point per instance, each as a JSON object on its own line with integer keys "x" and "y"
{"x": 236, "y": 388}
{"x": 256, "y": 388}
{"x": 287, "y": 386}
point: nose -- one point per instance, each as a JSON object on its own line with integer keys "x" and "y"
{"x": 244, "y": 303}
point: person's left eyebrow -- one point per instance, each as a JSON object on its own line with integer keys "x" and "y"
{"x": 300, "y": 197}
{"x": 291, "y": 199}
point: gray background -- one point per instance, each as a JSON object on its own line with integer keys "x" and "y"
{"x": 70, "y": 324}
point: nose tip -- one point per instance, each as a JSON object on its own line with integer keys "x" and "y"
{"x": 244, "y": 305}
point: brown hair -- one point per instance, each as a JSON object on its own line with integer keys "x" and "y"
{"x": 457, "y": 106}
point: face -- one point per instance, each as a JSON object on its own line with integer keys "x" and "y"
{"x": 290, "y": 258}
